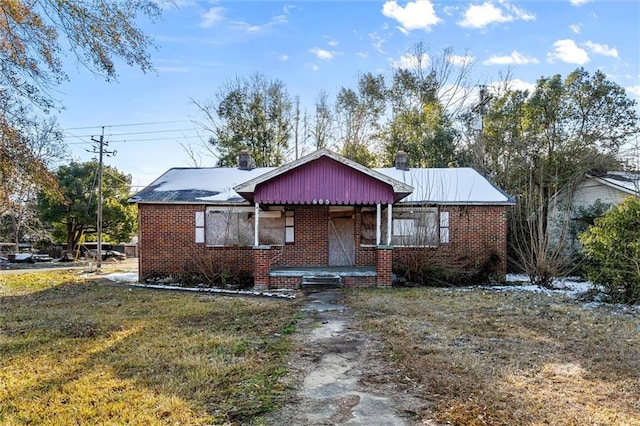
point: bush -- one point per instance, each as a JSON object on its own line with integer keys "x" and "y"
{"x": 612, "y": 247}
{"x": 419, "y": 268}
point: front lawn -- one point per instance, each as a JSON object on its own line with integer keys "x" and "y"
{"x": 74, "y": 351}
{"x": 485, "y": 357}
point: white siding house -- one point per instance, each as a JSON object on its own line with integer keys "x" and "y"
{"x": 608, "y": 189}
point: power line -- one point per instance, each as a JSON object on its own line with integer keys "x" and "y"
{"x": 141, "y": 133}
{"x": 127, "y": 125}
{"x": 196, "y": 137}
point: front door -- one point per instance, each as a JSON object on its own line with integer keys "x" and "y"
{"x": 342, "y": 246}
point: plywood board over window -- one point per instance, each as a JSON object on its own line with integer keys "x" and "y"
{"x": 229, "y": 227}
{"x": 271, "y": 225}
{"x": 416, "y": 227}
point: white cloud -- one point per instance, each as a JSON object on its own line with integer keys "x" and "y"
{"x": 480, "y": 16}
{"x": 568, "y": 51}
{"x": 249, "y": 28}
{"x": 283, "y": 58}
{"x": 602, "y": 49}
{"x": 576, "y": 28}
{"x": 409, "y": 61}
{"x": 323, "y": 54}
{"x": 578, "y": 2}
{"x": 332, "y": 43}
{"x": 634, "y": 90}
{"x": 518, "y": 13}
{"x": 416, "y": 15}
{"x": 378, "y": 41}
{"x": 459, "y": 60}
{"x": 515, "y": 58}
{"x": 513, "y": 84}
{"x": 171, "y": 4}
{"x": 212, "y": 17}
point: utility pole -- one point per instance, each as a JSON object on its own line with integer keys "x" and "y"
{"x": 481, "y": 110}
{"x": 101, "y": 152}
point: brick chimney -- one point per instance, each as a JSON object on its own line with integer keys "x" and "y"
{"x": 245, "y": 160}
{"x": 401, "y": 160}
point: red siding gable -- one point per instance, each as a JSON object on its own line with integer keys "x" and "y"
{"x": 324, "y": 181}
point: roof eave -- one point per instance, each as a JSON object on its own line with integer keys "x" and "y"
{"x": 615, "y": 186}
{"x": 462, "y": 203}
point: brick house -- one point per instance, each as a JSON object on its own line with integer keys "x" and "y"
{"x": 321, "y": 215}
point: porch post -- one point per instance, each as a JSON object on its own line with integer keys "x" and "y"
{"x": 389, "y": 223}
{"x": 378, "y": 220}
{"x": 384, "y": 266}
{"x": 256, "y": 224}
{"x": 261, "y": 264}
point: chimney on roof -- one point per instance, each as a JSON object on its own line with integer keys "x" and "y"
{"x": 244, "y": 160}
{"x": 401, "y": 160}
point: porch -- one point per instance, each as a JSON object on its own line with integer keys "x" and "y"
{"x": 309, "y": 277}
{"x": 268, "y": 276}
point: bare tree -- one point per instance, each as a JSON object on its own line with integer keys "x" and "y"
{"x": 322, "y": 127}
{"x": 537, "y": 147}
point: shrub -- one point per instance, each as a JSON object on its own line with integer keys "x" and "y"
{"x": 612, "y": 247}
{"x": 419, "y": 268}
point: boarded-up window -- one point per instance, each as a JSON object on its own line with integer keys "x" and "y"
{"x": 271, "y": 224}
{"x": 229, "y": 227}
{"x": 368, "y": 227}
{"x": 236, "y": 227}
{"x": 415, "y": 227}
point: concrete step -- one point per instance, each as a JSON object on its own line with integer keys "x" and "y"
{"x": 321, "y": 281}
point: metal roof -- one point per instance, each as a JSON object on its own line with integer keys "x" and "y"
{"x": 232, "y": 186}
{"x": 628, "y": 182}
{"x": 458, "y": 185}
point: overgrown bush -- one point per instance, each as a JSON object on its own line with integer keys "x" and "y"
{"x": 419, "y": 268}
{"x": 203, "y": 269}
{"x": 612, "y": 247}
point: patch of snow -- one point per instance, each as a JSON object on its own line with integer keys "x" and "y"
{"x": 215, "y": 179}
{"x": 517, "y": 278}
{"x": 570, "y": 286}
{"x": 123, "y": 277}
{"x": 275, "y": 293}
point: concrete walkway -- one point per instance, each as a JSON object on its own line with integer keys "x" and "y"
{"x": 330, "y": 360}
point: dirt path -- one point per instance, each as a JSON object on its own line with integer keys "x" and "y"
{"x": 339, "y": 380}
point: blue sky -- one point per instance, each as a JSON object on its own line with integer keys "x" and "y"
{"x": 324, "y": 45}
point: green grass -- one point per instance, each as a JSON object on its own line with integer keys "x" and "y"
{"x": 479, "y": 357}
{"x": 88, "y": 352}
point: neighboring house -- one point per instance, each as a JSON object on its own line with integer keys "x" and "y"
{"x": 320, "y": 214}
{"x": 606, "y": 189}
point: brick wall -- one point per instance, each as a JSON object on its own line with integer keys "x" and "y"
{"x": 167, "y": 243}
{"x": 167, "y": 240}
{"x": 311, "y": 246}
{"x": 475, "y": 233}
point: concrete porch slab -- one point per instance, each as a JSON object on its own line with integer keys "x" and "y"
{"x": 342, "y": 271}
